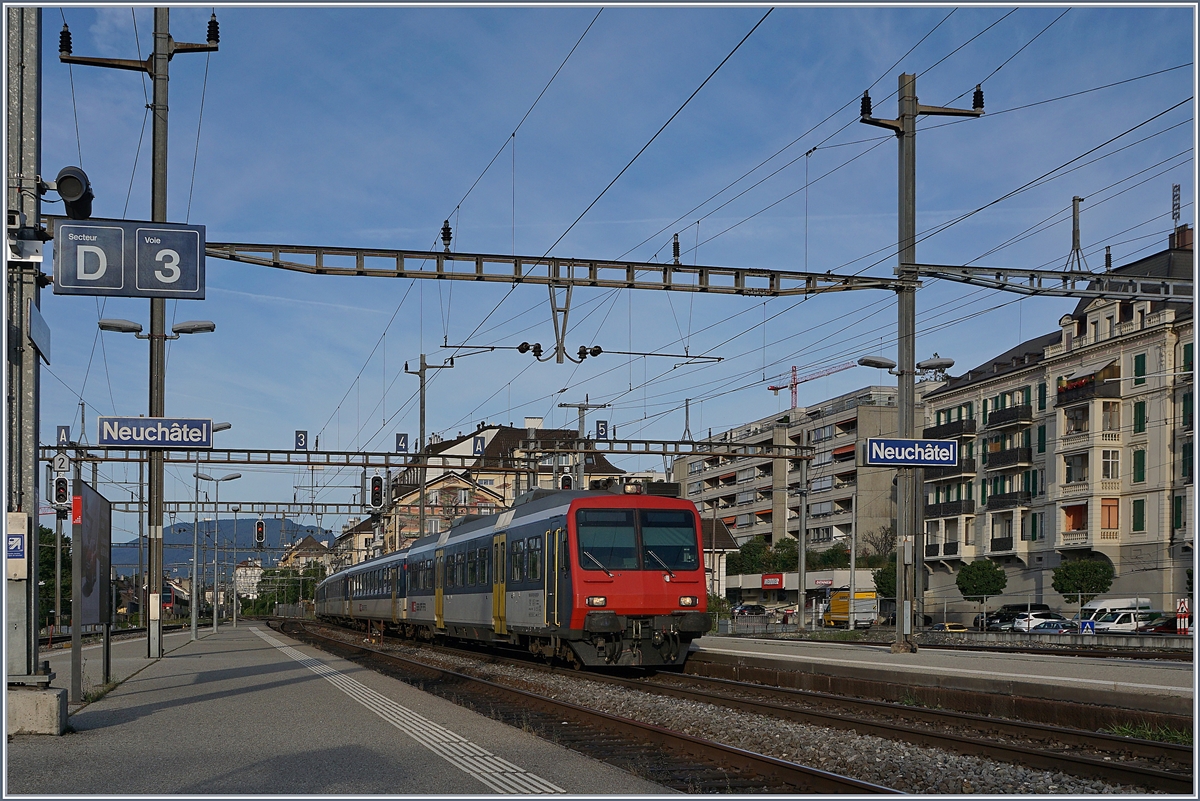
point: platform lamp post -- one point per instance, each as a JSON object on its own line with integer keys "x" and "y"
{"x": 236, "y": 508}
{"x": 154, "y": 644}
{"x": 196, "y": 536}
{"x": 216, "y": 529}
{"x": 908, "y": 517}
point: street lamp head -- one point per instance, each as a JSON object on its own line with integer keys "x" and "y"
{"x": 221, "y": 427}
{"x": 194, "y": 327}
{"x": 203, "y": 476}
{"x": 937, "y": 363}
{"x": 120, "y": 326}
{"x": 230, "y": 477}
{"x": 881, "y": 362}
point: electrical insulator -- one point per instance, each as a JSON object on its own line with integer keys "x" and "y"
{"x": 537, "y": 350}
{"x": 376, "y": 496}
{"x": 583, "y": 352}
{"x": 64, "y": 41}
{"x": 595, "y": 350}
{"x": 260, "y": 532}
{"x": 62, "y": 491}
{"x": 566, "y": 482}
{"x": 864, "y": 110}
{"x": 214, "y": 30}
{"x": 446, "y": 235}
{"x": 675, "y": 248}
{"x": 523, "y": 347}
{"x": 977, "y": 100}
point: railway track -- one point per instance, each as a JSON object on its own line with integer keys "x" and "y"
{"x": 679, "y": 761}
{"x": 1119, "y": 760}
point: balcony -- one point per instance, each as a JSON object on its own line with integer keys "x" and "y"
{"x": 1090, "y": 389}
{"x": 1013, "y": 457}
{"x": 952, "y": 430}
{"x": 950, "y": 509}
{"x": 1012, "y": 416}
{"x": 950, "y": 549}
{"x": 1074, "y": 539}
{"x": 1008, "y": 500}
{"x": 931, "y": 549}
{"x": 1000, "y": 545}
{"x": 965, "y": 467}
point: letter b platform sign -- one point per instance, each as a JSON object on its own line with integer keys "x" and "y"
{"x": 129, "y": 259}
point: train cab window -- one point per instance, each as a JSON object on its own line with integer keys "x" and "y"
{"x": 607, "y": 539}
{"x": 483, "y": 566}
{"x": 669, "y": 539}
{"x": 517, "y": 557}
{"x": 535, "y": 558}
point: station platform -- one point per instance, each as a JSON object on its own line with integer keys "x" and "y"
{"x": 249, "y": 711}
{"x": 1150, "y": 685}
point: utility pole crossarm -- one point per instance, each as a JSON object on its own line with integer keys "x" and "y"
{"x": 556, "y": 272}
{"x": 1062, "y": 283}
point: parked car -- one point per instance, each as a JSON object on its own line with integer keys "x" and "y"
{"x": 1001, "y": 621}
{"x": 956, "y": 628}
{"x": 749, "y": 609}
{"x": 1094, "y": 610}
{"x": 1002, "y": 614}
{"x": 1061, "y": 626}
{"x": 1167, "y": 624}
{"x": 1124, "y": 622}
{"x": 1025, "y": 621}
{"x": 891, "y": 619}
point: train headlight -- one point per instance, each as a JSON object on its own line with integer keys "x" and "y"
{"x": 633, "y": 488}
{"x": 688, "y": 600}
{"x": 596, "y": 600}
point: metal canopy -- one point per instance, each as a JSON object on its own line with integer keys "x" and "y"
{"x": 296, "y": 509}
{"x": 655, "y": 447}
{"x": 304, "y": 459}
{"x": 1063, "y": 283}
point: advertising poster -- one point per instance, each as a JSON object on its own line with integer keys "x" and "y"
{"x": 91, "y": 533}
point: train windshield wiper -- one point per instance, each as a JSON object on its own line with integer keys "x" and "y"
{"x": 658, "y": 559}
{"x": 598, "y": 563}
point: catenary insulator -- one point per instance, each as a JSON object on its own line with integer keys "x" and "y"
{"x": 675, "y": 248}
{"x": 64, "y": 41}
{"x": 864, "y": 109}
{"x": 446, "y": 235}
{"x": 214, "y": 30}
{"x": 977, "y": 100}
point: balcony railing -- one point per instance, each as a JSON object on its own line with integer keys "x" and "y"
{"x": 950, "y": 509}
{"x": 950, "y": 548}
{"x": 1094, "y": 389}
{"x": 1001, "y": 544}
{"x": 932, "y": 549}
{"x": 1012, "y": 416}
{"x": 951, "y": 430}
{"x": 1013, "y": 457}
{"x": 965, "y": 467}
{"x": 1008, "y": 500}
{"x": 1074, "y": 539}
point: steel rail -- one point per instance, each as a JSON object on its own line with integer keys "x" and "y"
{"x": 809, "y": 779}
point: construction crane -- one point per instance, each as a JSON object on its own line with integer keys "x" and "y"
{"x": 837, "y": 368}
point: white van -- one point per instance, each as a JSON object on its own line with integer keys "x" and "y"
{"x": 1118, "y": 622}
{"x": 1094, "y": 610}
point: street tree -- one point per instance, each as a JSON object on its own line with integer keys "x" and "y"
{"x": 980, "y": 579}
{"x": 1081, "y": 580}
{"x": 880, "y": 541}
{"x": 885, "y": 578}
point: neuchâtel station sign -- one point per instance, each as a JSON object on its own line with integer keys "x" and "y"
{"x": 911, "y": 452}
{"x": 155, "y": 432}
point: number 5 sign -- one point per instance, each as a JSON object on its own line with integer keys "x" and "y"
{"x": 129, "y": 259}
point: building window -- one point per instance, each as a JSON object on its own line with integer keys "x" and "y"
{"x": 1077, "y": 419}
{"x": 1041, "y": 396}
{"x": 1077, "y": 467}
{"x": 1177, "y": 517}
{"x": 1187, "y": 410}
{"x": 695, "y": 487}
{"x": 744, "y": 498}
{"x": 821, "y": 484}
{"x": 823, "y": 433}
{"x": 1041, "y": 439}
{"x": 1110, "y": 464}
{"x": 1139, "y": 369}
{"x": 743, "y": 521}
{"x": 745, "y": 474}
{"x": 1075, "y": 518}
{"x": 1110, "y": 513}
{"x": 820, "y": 509}
{"x": 1185, "y": 468}
{"x": 821, "y": 459}
{"x": 1187, "y": 357}
{"x": 1139, "y": 417}
{"x": 1139, "y": 515}
{"x": 695, "y": 467}
{"x": 1111, "y": 416}
{"x": 1139, "y": 466}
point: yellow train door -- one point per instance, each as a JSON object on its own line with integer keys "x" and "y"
{"x": 499, "y": 625}
{"x": 439, "y": 581}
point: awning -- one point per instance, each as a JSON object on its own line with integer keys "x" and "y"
{"x": 845, "y": 449}
{"x": 1091, "y": 368}
{"x": 728, "y": 520}
{"x": 727, "y": 475}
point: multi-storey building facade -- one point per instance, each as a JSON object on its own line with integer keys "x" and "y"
{"x": 843, "y": 499}
{"x": 1075, "y": 445}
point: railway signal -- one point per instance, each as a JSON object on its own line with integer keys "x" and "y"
{"x": 375, "y": 495}
{"x": 260, "y": 532}
{"x": 62, "y": 491}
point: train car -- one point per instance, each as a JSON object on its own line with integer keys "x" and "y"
{"x": 592, "y": 578}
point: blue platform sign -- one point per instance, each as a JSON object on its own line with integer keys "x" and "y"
{"x": 911, "y": 452}
{"x": 16, "y": 546}
{"x": 478, "y": 445}
{"x": 601, "y": 429}
{"x": 301, "y": 440}
{"x": 129, "y": 259}
{"x": 155, "y": 432}
{"x": 63, "y": 438}
{"x": 402, "y": 443}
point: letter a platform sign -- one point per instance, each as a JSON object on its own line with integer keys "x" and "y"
{"x": 911, "y": 453}
{"x": 129, "y": 259}
{"x": 157, "y": 433}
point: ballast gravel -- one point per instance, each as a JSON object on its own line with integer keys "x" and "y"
{"x": 900, "y": 766}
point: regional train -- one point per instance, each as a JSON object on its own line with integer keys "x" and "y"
{"x": 593, "y": 578}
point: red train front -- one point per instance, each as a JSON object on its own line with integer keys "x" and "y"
{"x": 637, "y": 585}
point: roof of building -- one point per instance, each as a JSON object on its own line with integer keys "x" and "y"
{"x": 308, "y": 546}
{"x": 508, "y": 439}
{"x": 1021, "y": 357}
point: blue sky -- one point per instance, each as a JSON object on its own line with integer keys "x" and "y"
{"x": 368, "y": 126}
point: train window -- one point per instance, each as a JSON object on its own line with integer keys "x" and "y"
{"x": 607, "y": 539}
{"x": 460, "y": 569}
{"x": 564, "y": 556}
{"x": 535, "y": 558}
{"x": 669, "y": 539}
{"x": 483, "y": 566}
{"x": 472, "y": 560}
{"x": 517, "y": 551}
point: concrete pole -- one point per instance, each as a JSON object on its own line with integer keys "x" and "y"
{"x": 196, "y": 550}
{"x": 802, "y": 542}
{"x": 234, "y": 583}
{"x": 216, "y": 551}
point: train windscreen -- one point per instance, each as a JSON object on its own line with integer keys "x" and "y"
{"x": 607, "y": 539}
{"x": 669, "y": 539}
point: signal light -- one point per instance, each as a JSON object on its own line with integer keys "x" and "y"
{"x": 376, "y": 492}
{"x": 566, "y": 482}
{"x": 62, "y": 491}
{"x": 260, "y": 532}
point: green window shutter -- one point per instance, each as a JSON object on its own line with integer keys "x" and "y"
{"x": 1028, "y": 393}
{"x": 1177, "y": 518}
{"x": 983, "y": 491}
{"x": 1187, "y": 356}
{"x": 970, "y": 410}
{"x": 985, "y": 410}
{"x": 1187, "y": 410}
{"x": 1139, "y": 515}
{"x": 1139, "y": 369}
{"x": 1025, "y": 435}
{"x": 1041, "y": 439}
{"x": 1139, "y": 417}
{"x": 1139, "y": 466}
{"x": 1186, "y": 466}
{"x": 1041, "y": 396}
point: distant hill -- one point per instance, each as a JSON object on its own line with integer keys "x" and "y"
{"x": 177, "y": 543}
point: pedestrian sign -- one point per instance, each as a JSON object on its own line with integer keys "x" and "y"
{"x": 1087, "y": 627}
{"x": 1181, "y": 607}
{"x": 1182, "y": 617}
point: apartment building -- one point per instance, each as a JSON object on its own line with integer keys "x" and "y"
{"x": 754, "y": 500}
{"x": 1076, "y": 444}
